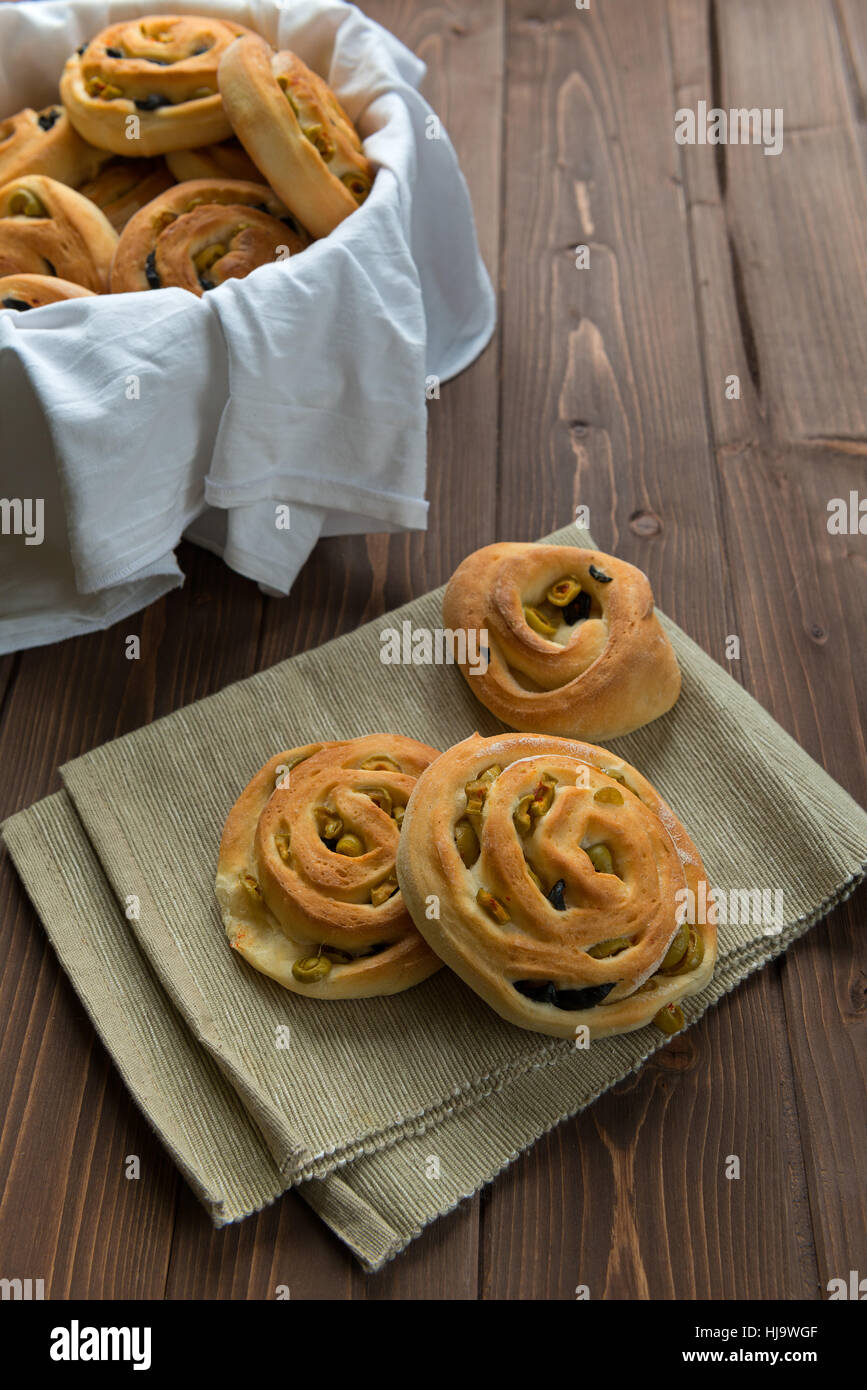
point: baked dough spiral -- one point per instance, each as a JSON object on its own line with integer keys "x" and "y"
{"x": 295, "y": 130}
{"x": 161, "y": 69}
{"x": 560, "y": 874}
{"x": 200, "y": 233}
{"x": 306, "y": 876}
{"x": 228, "y": 160}
{"x": 123, "y": 186}
{"x": 574, "y": 645}
{"x": 24, "y": 292}
{"x": 46, "y": 142}
{"x": 49, "y": 229}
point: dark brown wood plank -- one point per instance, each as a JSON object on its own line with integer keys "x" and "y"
{"x": 790, "y": 444}
{"x": 631, "y": 1198}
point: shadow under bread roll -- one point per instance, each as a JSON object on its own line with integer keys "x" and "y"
{"x": 123, "y": 186}
{"x": 201, "y": 233}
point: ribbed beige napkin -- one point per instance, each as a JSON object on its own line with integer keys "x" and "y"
{"x": 387, "y": 1112}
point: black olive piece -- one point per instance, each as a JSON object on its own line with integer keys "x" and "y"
{"x": 292, "y": 225}
{"x": 113, "y": 53}
{"x": 10, "y": 302}
{"x": 152, "y": 275}
{"x": 52, "y": 268}
{"x": 578, "y": 609}
{"x": 600, "y": 576}
{"x": 546, "y": 992}
{"x": 152, "y": 102}
{"x": 46, "y": 119}
{"x": 207, "y": 284}
{"x": 159, "y": 62}
{"x": 197, "y": 52}
{"x": 80, "y": 50}
{"x": 556, "y": 896}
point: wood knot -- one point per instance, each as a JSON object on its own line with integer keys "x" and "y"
{"x": 645, "y": 523}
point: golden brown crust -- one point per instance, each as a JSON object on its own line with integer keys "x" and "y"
{"x": 200, "y": 233}
{"x": 287, "y": 894}
{"x": 295, "y": 130}
{"x": 160, "y": 70}
{"x": 228, "y": 160}
{"x": 49, "y": 229}
{"x": 593, "y": 798}
{"x": 46, "y": 142}
{"x": 592, "y": 678}
{"x": 123, "y": 186}
{"x": 24, "y": 292}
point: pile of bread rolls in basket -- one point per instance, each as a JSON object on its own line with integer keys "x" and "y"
{"x": 183, "y": 151}
{"x": 541, "y": 868}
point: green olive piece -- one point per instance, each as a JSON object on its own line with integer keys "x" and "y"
{"x": 538, "y": 622}
{"x": 398, "y": 814}
{"x": 380, "y": 762}
{"x": 490, "y": 774}
{"x": 467, "y": 842}
{"x": 475, "y": 792}
{"x": 349, "y": 845}
{"x": 310, "y": 969}
{"x": 380, "y": 797}
{"x": 600, "y": 858}
{"x": 383, "y": 891}
{"x": 692, "y": 957}
{"x": 330, "y": 825}
{"x": 616, "y": 776}
{"x": 563, "y": 592}
{"x": 610, "y": 795}
{"x": 336, "y": 956}
{"x": 23, "y": 203}
{"x": 252, "y": 888}
{"x": 205, "y": 258}
{"x": 358, "y": 184}
{"x": 493, "y": 906}
{"x": 535, "y": 877}
{"x": 669, "y": 1019}
{"x": 543, "y": 796}
{"x": 677, "y": 950}
{"x": 281, "y": 844}
{"x": 612, "y": 947}
{"x": 521, "y": 816}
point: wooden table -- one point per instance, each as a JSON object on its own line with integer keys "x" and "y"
{"x": 604, "y": 387}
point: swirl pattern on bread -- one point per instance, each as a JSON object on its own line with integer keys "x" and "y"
{"x": 306, "y": 878}
{"x": 574, "y": 645}
{"x": 562, "y": 881}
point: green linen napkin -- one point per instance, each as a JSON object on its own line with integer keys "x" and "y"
{"x": 386, "y": 1112}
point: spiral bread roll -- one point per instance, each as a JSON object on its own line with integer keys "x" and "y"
{"x": 227, "y": 160}
{"x": 574, "y": 645}
{"x": 200, "y": 233}
{"x": 295, "y": 130}
{"x": 306, "y": 876}
{"x": 162, "y": 69}
{"x": 46, "y": 142}
{"x": 560, "y": 874}
{"x": 24, "y": 292}
{"x": 123, "y": 186}
{"x": 49, "y": 229}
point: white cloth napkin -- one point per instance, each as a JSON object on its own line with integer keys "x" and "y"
{"x": 136, "y": 418}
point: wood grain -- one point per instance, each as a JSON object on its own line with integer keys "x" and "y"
{"x": 604, "y": 387}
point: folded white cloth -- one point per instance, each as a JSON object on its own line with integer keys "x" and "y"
{"x": 296, "y": 395}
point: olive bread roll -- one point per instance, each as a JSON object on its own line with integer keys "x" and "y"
{"x": 306, "y": 876}
{"x": 563, "y": 885}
